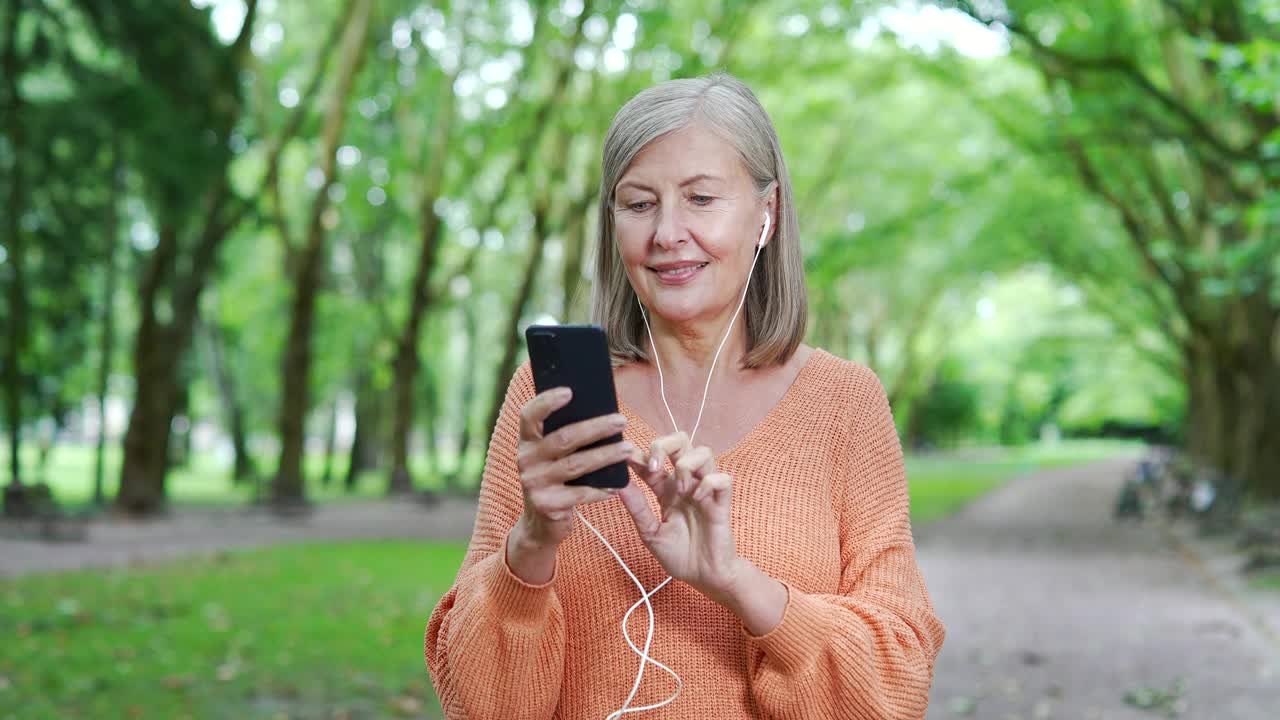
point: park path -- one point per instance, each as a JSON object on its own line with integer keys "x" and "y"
{"x": 1053, "y": 610}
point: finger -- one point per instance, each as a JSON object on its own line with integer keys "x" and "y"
{"x": 537, "y": 410}
{"x": 662, "y": 483}
{"x": 571, "y": 437}
{"x": 638, "y": 462}
{"x": 713, "y": 487}
{"x": 633, "y": 499}
{"x": 692, "y": 465}
{"x": 567, "y": 497}
{"x": 582, "y": 462}
{"x": 665, "y": 447}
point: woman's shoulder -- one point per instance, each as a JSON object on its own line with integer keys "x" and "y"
{"x": 841, "y": 380}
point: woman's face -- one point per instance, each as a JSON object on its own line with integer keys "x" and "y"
{"x": 687, "y": 221}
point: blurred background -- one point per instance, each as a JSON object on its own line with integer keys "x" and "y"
{"x": 265, "y": 268}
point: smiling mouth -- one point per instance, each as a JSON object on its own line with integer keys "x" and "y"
{"x": 678, "y": 275}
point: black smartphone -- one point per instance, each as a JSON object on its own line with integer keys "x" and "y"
{"x": 577, "y": 357}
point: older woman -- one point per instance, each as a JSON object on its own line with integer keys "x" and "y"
{"x": 781, "y": 511}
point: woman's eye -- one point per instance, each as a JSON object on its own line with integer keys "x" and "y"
{"x": 702, "y": 199}
{"x": 639, "y": 206}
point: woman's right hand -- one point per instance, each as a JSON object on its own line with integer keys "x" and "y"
{"x": 546, "y": 463}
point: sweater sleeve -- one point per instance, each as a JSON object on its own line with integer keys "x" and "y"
{"x": 494, "y": 644}
{"x": 867, "y": 652}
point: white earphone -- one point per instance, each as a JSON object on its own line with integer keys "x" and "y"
{"x": 645, "y": 595}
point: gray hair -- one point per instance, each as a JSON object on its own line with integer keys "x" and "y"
{"x": 776, "y": 309}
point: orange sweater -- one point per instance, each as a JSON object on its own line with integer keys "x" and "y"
{"x": 819, "y": 502}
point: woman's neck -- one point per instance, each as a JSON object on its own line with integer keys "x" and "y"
{"x": 686, "y": 352}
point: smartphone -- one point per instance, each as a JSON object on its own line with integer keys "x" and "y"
{"x": 577, "y": 357}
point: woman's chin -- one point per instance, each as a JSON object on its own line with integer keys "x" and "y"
{"x": 677, "y": 310}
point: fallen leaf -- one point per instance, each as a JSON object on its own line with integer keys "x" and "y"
{"x": 963, "y": 705}
{"x": 407, "y": 705}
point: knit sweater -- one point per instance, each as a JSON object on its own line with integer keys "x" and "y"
{"x": 820, "y": 503}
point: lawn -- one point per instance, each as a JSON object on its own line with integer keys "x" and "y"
{"x": 300, "y": 631}
{"x": 1266, "y": 580}
{"x": 305, "y": 631}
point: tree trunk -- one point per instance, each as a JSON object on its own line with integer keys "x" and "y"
{"x": 287, "y": 487}
{"x": 180, "y": 443}
{"x": 575, "y": 242}
{"x": 431, "y": 426}
{"x": 365, "y": 442}
{"x": 355, "y": 454}
{"x": 406, "y": 362}
{"x": 1264, "y": 485}
{"x": 155, "y": 360}
{"x": 106, "y": 347}
{"x": 233, "y": 412}
{"x": 1233, "y": 409}
{"x": 466, "y": 400}
{"x": 15, "y": 264}
{"x": 511, "y": 339}
{"x": 330, "y": 444}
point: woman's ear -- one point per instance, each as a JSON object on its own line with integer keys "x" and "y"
{"x": 770, "y": 216}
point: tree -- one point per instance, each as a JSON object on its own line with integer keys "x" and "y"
{"x": 185, "y": 86}
{"x": 288, "y": 487}
{"x": 1165, "y": 112}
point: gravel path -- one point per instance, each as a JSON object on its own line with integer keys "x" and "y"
{"x": 1055, "y": 611}
{"x": 1052, "y": 610}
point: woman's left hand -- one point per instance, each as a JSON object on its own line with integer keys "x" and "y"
{"x": 693, "y": 538}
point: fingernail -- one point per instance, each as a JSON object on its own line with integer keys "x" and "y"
{"x": 653, "y": 465}
{"x": 564, "y": 393}
{"x": 618, "y": 420}
{"x": 626, "y": 446}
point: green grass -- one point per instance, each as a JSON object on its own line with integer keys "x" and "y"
{"x": 297, "y": 631}
{"x": 1269, "y": 580}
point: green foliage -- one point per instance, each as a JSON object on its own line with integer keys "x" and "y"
{"x": 927, "y": 181}
{"x": 1266, "y": 581}
{"x": 947, "y": 411}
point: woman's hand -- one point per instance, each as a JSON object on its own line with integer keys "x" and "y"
{"x": 546, "y": 462}
{"x": 693, "y": 538}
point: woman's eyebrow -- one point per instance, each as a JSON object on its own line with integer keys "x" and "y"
{"x": 634, "y": 184}
{"x": 699, "y": 176}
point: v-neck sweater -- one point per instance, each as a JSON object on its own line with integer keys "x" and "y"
{"x": 820, "y": 503}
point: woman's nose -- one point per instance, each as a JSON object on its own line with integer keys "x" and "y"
{"x": 672, "y": 229}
